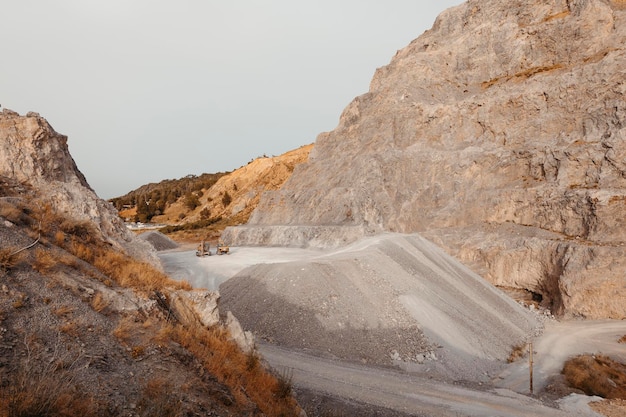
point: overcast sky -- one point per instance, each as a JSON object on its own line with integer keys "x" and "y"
{"x": 148, "y": 90}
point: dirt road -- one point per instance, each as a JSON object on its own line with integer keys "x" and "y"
{"x": 560, "y": 341}
{"x": 400, "y": 391}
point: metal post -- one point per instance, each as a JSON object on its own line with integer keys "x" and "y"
{"x": 530, "y": 363}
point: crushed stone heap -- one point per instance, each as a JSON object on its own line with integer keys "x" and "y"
{"x": 499, "y": 134}
{"x": 383, "y": 299}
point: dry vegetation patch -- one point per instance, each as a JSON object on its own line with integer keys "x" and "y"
{"x": 104, "y": 361}
{"x": 10, "y": 257}
{"x": 596, "y": 375}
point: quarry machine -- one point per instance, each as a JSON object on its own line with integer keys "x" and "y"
{"x": 204, "y": 249}
{"x": 222, "y": 248}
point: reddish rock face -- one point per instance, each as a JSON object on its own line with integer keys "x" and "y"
{"x": 500, "y": 134}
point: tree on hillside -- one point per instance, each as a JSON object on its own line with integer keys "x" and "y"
{"x": 191, "y": 201}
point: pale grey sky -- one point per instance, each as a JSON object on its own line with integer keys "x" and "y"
{"x": 149, "y": 89}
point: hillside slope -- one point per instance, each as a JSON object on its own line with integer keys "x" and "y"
{"x": 203, "y": 206}
{"x": 89, "y": 324}
{"x": 500, "y": 135}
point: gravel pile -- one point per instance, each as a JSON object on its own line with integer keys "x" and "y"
{"x": 390, "y": 299}
{"x": 158, "y": 240}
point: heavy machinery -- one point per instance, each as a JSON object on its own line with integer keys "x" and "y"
{"x": 222, "y": 248}
{"x": 204, "y": 249}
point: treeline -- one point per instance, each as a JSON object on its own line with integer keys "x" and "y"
{"x": 152, "y": 199}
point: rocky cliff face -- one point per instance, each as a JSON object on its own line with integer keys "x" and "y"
{"x": 500, "y": 134}
{"x": 31, "y": 152}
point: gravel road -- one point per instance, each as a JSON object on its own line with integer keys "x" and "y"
{"x": 400, "y": 391}
{"x": 560, "y": 341}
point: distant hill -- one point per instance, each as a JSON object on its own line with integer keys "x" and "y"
{"x": 200, "y": 207}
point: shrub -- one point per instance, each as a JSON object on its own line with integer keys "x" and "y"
{"x": 226, "y": 199}
{"x": 192, "y": 201}
{"x": 596, "y": 375}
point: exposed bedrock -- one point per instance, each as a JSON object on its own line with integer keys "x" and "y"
{"x": 501, "y": 135}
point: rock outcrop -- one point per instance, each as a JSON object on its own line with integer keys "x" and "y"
{"x": 500, "y": 134}
{"x": 33, "y": 153}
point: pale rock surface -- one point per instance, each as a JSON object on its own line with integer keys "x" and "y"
{"x": 195, "y": 306}
{"x": 500, "y": 134}
{"x": 243, "y": 339}
{"x": 32, "y": 152}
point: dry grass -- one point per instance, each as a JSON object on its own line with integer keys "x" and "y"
{"x": 596, "y": 375}
{"x": 99, "y": 303}
{"x": 9, "y": 259}
{"x": 11, "y": 212}
{"x": 159, "y": 398}
{"x": 129, "y": 272}
{"x": 622, "y": 339}
{"x": 63, "y": 311}
{"x": 70, "y": 328}
{"x": 519, "y": 351}
{"x": 125, "y": 328}
{"x": 42, "y": 384}
{"x": 244, "y": 375}
{"x": 44, "y": 261}
{"x": 59, "y": 238}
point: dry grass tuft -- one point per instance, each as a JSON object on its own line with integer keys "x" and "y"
{"x": 63, "y": 311}
{"x": 10, "y": 212}
{"x": 99, "y": 303}
{"x": 70, "y": 328}
{"x": 159, "y": 399}
{"x": 129, "y": 272}
{"x": 596, "y": 375}
{"x": 44, "y": 261}
{"x": 125, "y": 328}
{"x": 9, "y": 259}
{"x": 622, "y": 339}
{"x": 59, "y": 238}
{"x": 519, "y": 351}
{"x": 137, "y": 351}
{"x": 83, "y": 230}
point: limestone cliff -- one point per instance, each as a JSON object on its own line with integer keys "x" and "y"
{"x": 33, "y": 153}
{"x": 500, "y": 134}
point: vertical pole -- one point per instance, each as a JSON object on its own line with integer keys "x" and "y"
{"x": 530, "y": 363}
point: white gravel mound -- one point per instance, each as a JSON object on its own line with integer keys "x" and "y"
{"x": 385, "y": 299}
{"x": 158, "y": 240}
